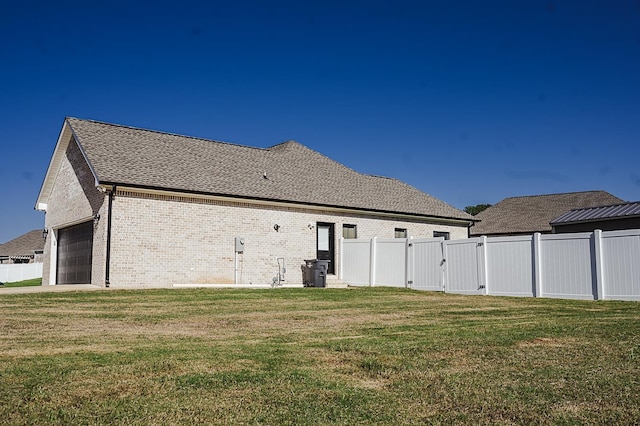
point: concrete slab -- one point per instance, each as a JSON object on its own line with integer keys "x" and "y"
{"x": 254, "y": 286}
{"x": 49, "y": 288}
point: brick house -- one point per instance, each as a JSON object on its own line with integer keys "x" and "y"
{"x": 26, "y": 248}
{"x": 128, "y": 207}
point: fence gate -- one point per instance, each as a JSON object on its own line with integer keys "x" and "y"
{"x": 426, "y": 264}
{"x": 464, "y": 266}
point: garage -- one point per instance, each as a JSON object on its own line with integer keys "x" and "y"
{"x": 75, "y": 246}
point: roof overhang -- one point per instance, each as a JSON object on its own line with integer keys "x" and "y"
{"x": 108, "y": 186}
{"x": 66, "y": 137}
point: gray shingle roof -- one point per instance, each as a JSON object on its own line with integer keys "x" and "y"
{"x": 529, "y": 214}
{"x": 144, "y": 158}
{"x": 24, "y": 245}
{"x": 588, "y": 214}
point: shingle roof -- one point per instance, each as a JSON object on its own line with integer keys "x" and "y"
{"x": 529, "y": 214}
{"x": 588, "y": 214}
{"x": 24, "y": 245}
{"x": 294, "y": 173}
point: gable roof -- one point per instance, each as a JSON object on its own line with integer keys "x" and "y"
{"x": 589, "y": 214}
{"x": 287, "y": 172}
{"x": 23, "y": 246}
{"x": 529, "y": 214}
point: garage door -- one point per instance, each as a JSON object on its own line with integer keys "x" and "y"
{"x": 75, "y": 245}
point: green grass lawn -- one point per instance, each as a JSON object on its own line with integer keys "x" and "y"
{"x": 316, "y": 356}
{"x": 26, "y": 283}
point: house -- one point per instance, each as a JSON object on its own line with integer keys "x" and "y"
{"x": 133, "y": 207}
{"x": 530, "y": 214}
{"x": 605, "y": 218}
{"x": 26, "y": 248}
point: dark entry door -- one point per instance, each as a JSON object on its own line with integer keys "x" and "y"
{"x": 325, "y": 242}
{"x": 75, "y": 245}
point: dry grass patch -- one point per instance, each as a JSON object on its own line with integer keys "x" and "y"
{"x": 310, "y": 356}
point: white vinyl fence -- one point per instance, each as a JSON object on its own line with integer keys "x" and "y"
{"x": 593, "y": 265}
{"x": 20, "y": 271}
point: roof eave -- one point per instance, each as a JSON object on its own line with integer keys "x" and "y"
{"x": 108, "y": 185}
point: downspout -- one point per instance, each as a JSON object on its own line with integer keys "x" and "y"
{"x": 108, "y": 256}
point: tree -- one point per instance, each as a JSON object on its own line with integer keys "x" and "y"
{"x": 474, "y": 210}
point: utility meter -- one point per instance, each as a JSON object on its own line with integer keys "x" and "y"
{"x": 239, "y": 244}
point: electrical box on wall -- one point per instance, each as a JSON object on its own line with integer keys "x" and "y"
{"x": 239, "y": 244}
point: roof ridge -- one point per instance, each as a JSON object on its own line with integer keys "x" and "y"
{"x": 380, "y": 176}
{"x": 123, "y": 126}
{"x": 560, "y": 193}
{"x": 296, "y": 143}
{"x": 287, "y": 142}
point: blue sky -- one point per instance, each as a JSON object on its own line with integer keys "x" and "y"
{"x": 469, "y": 101}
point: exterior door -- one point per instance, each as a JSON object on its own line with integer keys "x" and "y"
{"x": 325, "y": 244}
{"x": 75, "y": 247}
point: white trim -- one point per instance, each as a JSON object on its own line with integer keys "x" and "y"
{"x": 73, "y": 222}
{"x": 53, "y": 257}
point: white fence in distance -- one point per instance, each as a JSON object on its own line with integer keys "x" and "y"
{"x": 593, "y": 265}
{"x": 13, "y": 272}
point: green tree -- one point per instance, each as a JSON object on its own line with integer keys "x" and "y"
{"x": 474, "y": 210}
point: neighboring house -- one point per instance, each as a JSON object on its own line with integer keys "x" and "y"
{"x": 605, "y": 218}
{"x": 530, "y": 214}
{"x": 26, "y": 248}
{"x": 133, "y": 207}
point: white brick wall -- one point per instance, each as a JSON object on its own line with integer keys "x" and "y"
{"x": 162, "y": 240}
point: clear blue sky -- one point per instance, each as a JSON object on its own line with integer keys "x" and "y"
{"x": 469, "y": 101}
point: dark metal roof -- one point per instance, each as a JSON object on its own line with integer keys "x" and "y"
{"x": 599, "y": 213}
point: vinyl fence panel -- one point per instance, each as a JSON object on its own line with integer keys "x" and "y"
{"x": 510, "y": 266}
{"x": 594, "y": 265}
{"x": 566, "y": 266}
{"x": 14, "y": 272}
{"x": 621, "y": 264}
{"x": 356, "y": 261}
{"x": 391, "y": 262}
{"x": 463, "y": 271}
{"x": 427, "y": 264}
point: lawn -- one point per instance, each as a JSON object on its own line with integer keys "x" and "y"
{"x": 26, "y": 283}
{"x": 316, "y": 356}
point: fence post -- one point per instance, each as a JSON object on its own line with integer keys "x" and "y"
{"x": 408, "y": 263}
{"x": 341, "y": 245}
{"x": 537, "y": 266}
{"x": 372, "y": 264}
{"x": 445, "y": 265}
{"x": 597, "y": 262}
{"x": 485, "y": 273}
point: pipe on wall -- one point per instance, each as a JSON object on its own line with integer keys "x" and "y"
{"x": 108, "y": 254}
